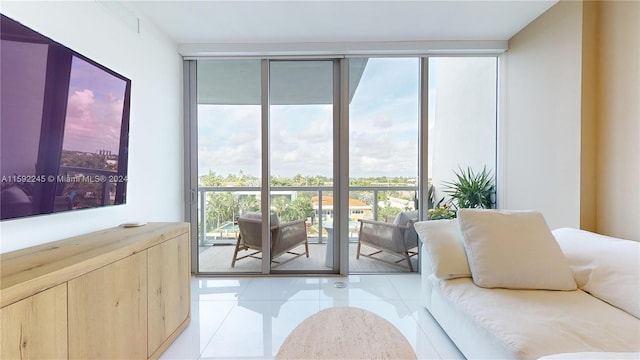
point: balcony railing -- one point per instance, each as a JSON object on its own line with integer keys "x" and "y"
{"x": 220, "y": 235}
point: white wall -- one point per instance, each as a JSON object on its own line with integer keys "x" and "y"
{"x": 151, "y": 61}
{"x": 464, "y": 130}
{"x": 539, "y": 156}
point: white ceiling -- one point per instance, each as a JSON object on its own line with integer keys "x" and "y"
{"x": 306, "y": 21}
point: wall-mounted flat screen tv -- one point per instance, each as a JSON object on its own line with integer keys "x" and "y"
{"x": 64, "y": 125}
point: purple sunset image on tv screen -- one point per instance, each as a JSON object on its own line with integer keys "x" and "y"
{"x": 64, "y": 123}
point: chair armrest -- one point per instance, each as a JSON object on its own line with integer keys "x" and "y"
{"x": 378, "y": 223}
{"x": 292, "y": 223}
{"x": 386, "y": 224}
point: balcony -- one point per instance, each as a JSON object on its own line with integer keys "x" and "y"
{"x": 219, "y": 206}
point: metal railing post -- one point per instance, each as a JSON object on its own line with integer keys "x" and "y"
{"x": 375, "y": 204}
{"x": 203, "y": 213}
{"x": 320, "y": 216}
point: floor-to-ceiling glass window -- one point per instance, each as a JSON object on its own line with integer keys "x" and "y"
{"x": 383, "y": 161}
{"x": 271, "y": 140}
{"x": 301, "y": 131}
{"x": 229, "y": 160}
{"x": 462, "y": 126}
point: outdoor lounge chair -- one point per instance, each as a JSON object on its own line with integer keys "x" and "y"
{"x": 284, "y": 237}
{"x": 398, "y": 238}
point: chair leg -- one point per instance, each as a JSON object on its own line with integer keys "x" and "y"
{"x": 358, "y": 250}
{"x": 235, "y": 253}
{"x": 306, "y": 247}
{"x": 406, "y": 255}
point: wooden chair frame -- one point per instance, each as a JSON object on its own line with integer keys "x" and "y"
{"x": 389, "y": 238}
{"x": 284, "y": 238}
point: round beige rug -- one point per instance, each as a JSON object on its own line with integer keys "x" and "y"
{"x": 345, "y": 333}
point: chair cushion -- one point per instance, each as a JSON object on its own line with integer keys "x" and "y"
{"x": 275, "y": 221}
{"x": 410, "y": 237}
{"x": 513, "y": 249}
{"x": 404, "y": 217}
{"x": 443, "y": 242}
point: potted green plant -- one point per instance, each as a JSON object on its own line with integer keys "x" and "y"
{"x": 441, "y": 212}
{"x": 471, "y": 189}
{"x": 438, "y": 210}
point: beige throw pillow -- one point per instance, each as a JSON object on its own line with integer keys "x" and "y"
{"x": 514, "y": 250}
{"x": 443, "y": 242}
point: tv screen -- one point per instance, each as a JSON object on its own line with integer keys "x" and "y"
{"x": 64, "y": 125}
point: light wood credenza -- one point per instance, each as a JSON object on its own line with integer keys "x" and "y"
{"x": 120, "y": 293}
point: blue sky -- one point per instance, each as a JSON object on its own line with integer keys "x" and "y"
{"x": 382, "y": 130}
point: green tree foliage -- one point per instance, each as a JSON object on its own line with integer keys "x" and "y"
{"x": 279, "y": 205}
{"x": 301, "y": 180}
{"x": 300, "y": 208}
{"x": 388, "y": 210}
{"x": 222, "y": 207}
{"x": 364, "y": 196}
{"x": 249, "y": 203}
{"x": 211, "y": 179}
{"x": 278, "y": 181}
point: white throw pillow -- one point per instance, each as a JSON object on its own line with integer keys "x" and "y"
{"x": 443, "y": 242}
{"x": 606, "y": 267}
{"x": 513, "y": 250}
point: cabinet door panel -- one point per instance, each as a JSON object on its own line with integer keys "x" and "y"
{"x": 36, "y": 327}
{"x": 108, "y": 311}
{"x": 169, "y": 288}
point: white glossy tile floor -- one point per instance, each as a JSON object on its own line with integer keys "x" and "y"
{"x": 249, "y": 318}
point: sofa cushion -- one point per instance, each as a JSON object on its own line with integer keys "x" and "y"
{"x": 513, "y": 249}
{"x": 529, "y": 324}
{"x": 594, "y": 355}
{"x": 606, "y": 267}
{"x": 443, "y": 242}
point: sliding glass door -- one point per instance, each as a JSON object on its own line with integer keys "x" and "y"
{"x": 297, "y": 154}
{"x": 265, "y": 128}
{"x": 301, "y": 117}
{"x": 383, "y": 151}
{"x": 229, "y": 165}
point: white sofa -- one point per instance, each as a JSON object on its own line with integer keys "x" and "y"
{"x": 525, "y": 306}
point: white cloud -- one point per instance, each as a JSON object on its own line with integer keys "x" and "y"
{"x": 92, "y": 123}
{"x": 383, "y": 130}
